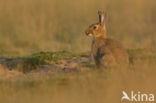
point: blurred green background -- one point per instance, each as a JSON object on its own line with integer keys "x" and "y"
{"x": 28, "y": 26}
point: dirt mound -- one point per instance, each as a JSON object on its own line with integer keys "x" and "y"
{"x": 5, "y": 73}
{"x": 17, "y": 66}
{"x": 49, "y": 63}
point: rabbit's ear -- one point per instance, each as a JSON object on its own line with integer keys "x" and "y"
{"x": 102, "y": 17}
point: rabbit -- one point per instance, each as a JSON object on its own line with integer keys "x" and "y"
{"x": 105, "y": 51}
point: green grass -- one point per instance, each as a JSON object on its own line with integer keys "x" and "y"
{"x": 28, "y": 63}
{"x": 52, "y": 57}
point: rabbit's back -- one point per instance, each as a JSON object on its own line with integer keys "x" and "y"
{"x": 108, "y": 51}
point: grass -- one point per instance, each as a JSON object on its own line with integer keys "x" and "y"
{"x": 80, "y": 86}
{"x": 85, "y": 87}
{"x": 52, "y": 57}
{"x": 30, "y": 26}
{"x": 29, "y": 63}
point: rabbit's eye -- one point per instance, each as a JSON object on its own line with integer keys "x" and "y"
{"x": 94, "y": 27}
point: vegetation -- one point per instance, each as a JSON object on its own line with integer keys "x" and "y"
{"x": 28, "y": 26}
{"x": 56, "y": 28}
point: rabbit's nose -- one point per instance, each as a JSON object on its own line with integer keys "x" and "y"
{"x": 87, "y": 32}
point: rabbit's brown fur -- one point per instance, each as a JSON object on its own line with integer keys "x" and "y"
{"x": 105, "y": 51}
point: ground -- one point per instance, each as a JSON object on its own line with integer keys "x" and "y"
{"x": 72, "y": 78}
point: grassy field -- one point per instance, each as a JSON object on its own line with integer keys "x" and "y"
{"x": 28, "y": 26}
{"x": 30, "y": 81}
{"x": 46, "y": 56}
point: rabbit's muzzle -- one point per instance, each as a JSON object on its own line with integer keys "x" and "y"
{"x": 88, "y": 33}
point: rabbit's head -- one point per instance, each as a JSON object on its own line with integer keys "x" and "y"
{"x": 98, "y": 30}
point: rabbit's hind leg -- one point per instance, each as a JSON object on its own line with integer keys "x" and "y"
{"x": 108, "y": 61}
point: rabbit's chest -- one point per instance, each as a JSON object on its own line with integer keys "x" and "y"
{"x": 95, "y": 49}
